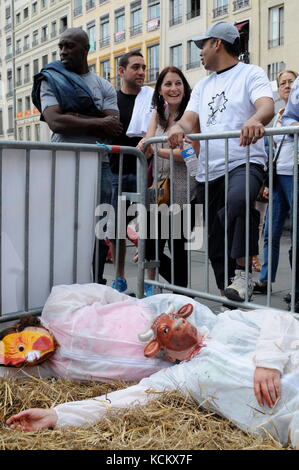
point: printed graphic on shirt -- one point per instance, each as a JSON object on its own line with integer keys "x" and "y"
{"x": 216, "y": 105}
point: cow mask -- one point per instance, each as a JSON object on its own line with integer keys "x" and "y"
{"x": 173, "y": 334}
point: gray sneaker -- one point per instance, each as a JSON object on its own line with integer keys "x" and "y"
{"x": 237, "y": 290}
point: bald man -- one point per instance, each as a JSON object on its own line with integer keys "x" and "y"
{"x": 78, "y": 106}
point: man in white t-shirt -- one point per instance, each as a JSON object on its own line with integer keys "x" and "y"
{"x": 235, "y": 96}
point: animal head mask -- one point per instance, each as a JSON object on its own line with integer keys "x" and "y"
{"x": 24, "y": 345}
{"x": 173, "y": 334}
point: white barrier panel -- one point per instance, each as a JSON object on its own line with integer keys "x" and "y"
{"x": 55, "y": 207}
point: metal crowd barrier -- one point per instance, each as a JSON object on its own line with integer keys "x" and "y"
{"x": 49, "y": 195}
{"x": 205, "y": 292}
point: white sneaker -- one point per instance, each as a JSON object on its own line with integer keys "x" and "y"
{"x": 237, "y": 290}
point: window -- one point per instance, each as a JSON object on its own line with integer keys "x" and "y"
{"x": 238, "y": 4}
{"x": 37, "y": 132}
{"x": 220, "y": 8}
{"x": 53, "y": 29}
{"x": 10, "y": 120}
{"x": 9, "y": 82}
{"x": 20, "y": 133}
{"x": 27, "y": 103}
{"x": 63, "y": 24}
{"x": 274, "y": 69}
{"x": 105, "y": 69}
{"x": 44, "y": 3}
{"x": 193, "y": 55}
{"x": 35, "y": 66}
{"x": 44, "y": 60}
{"x": 54, "y": 56}
{"x": 26, "y": 13}
{"x": 19, "y": 76}
{"x": 44, "y": 33}
{"x": 34, "y": 8}
{"x": 91, "y": 31}
{"x": 78, "y": 8}
{"x": 26, "y": 73}
{"x": 153, "y": 63}
{"x": 26, "y": 42}
{"x": 28, "y": 132}
{"x": 1, "y": 122}
{"x": 136, "y": 18}
{"x": 9, "y": 46}
{"x": 153, "y": 15}
{"x": 90, "y": 4}
{"x": 193, "y": 9}
{"x": 120, "y": 33}
{"x": 35, "y": 38}
{"x": 18, "y": 18}
{"x": 175, "y": 12}
{"x": 19, "y": 105}
{"x": 18, "y": 46}
{"x": 118, "y": 79}
{"x": 276, "y": 26}
{"x": 104, "y": 31}
{"x": 176, "y": 58}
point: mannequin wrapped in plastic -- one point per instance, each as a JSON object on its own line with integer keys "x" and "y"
{"x": 247, "y": 372}
{"x": 96, "y": 330}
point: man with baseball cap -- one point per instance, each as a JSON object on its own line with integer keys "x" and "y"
{"x": 235, "y": 96}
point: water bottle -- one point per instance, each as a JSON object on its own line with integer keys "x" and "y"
{"x": 190, "y": 158}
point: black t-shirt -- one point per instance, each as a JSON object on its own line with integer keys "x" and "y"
{"x": 125, "y": 104}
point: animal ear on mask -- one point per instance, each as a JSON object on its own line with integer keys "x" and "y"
{"x": 185, "y": 311}
{"x": 152, "y": 348}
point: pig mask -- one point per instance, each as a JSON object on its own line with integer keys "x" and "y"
{"x": 173, "y": 334}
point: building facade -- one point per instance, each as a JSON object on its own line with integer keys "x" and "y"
{"x": 117, "y": 26}
{"x": 267, "y": 29}
{"x": 182, "y": 20}
{"x": 29, "y": 37}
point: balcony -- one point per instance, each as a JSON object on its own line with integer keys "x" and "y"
{"x": 220, "y": 11}
{"x": 9, "y": 94}
{"x": 18, "y": 50}
{"x": 175, "y": 20}
{"x": 193, "y": 14}
{"x": 53, "y": 33}
{"x": 27, "y": 80}
{"x": 105, "y": 42}
{"x": 193, "y": 65}
{"x": 90, "y": 4}
{"x": 19, "y": 83}
{"x": 119, "y": 36}
{"x": 26, "y": 47}
{"x": 62, "y": 28}
{"x": 44, "y": 38}
{"x": 8, "y": 56}
{"x": 10, "y": 130}
{"x": 136, "y": 29}
{"x": 8, "y": 26}
{"x": 239, "y": 4}
{"x": 35, "y": 42}
{"x": 153, "y": 24}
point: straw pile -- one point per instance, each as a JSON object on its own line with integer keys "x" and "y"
{"x": 171, "y": 422}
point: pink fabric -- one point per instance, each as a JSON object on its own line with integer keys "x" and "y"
{"x": 100, "y": 342}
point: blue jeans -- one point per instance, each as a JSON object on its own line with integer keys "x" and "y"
{"x": 106, "y": 194}
{"x": 282, "y": 206}
{"x": 129, "y": 186}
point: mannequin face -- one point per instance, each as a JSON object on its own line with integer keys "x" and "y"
{"x": 29, "y": 347}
